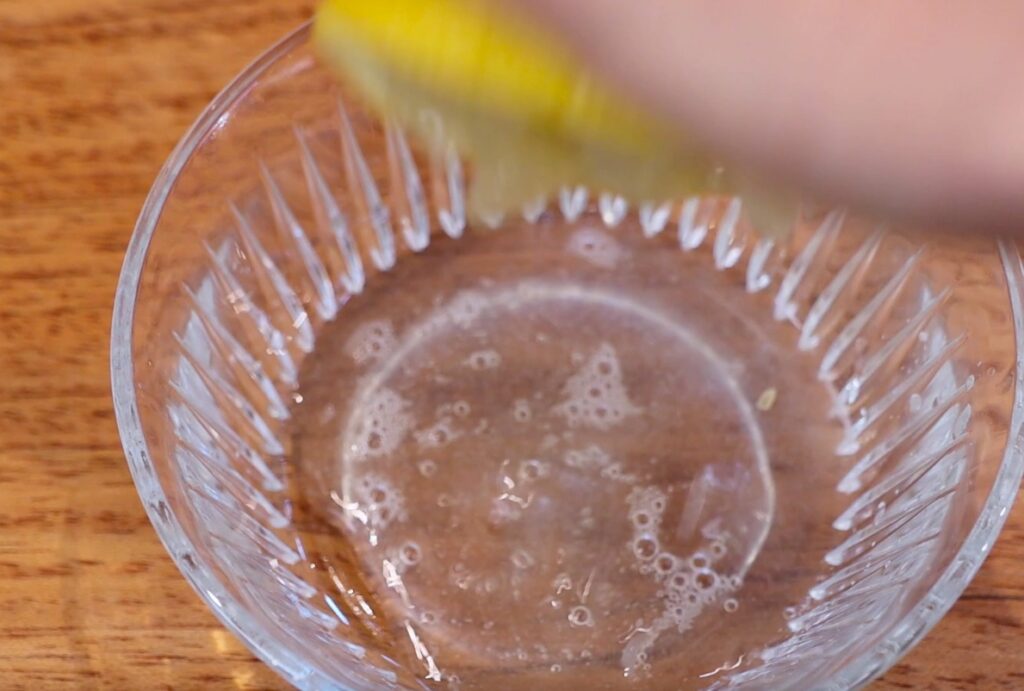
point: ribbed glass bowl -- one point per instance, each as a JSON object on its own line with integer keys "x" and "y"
{"x": 594, "y": 443}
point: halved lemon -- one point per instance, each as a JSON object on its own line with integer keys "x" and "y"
{"x": 527, "y": 115}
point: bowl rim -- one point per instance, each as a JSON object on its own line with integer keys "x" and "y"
{"x": 290, "y": 661}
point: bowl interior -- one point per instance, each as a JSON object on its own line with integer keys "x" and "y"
{"x": 594, "y": 442}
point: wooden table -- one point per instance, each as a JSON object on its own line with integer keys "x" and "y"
{"x": 93, "y": 96}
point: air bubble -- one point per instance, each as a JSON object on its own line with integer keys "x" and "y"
{"x": 645, "y": 547}
{"x": 428, "y": 617}
{"x": 680, "y": 580}
{"x": 699, "y": 560}
{"x": 789, "y": 612}
{"x": 665, "y": 563}
{"x": 580, "y": 616}
{"x": 521, "y": 410}
{"x": 461, "y": 408}
{"x": 437, "y": 435}
{"x": 556, "y": 668}
{"x": 427, "y": 468}
{"x": 595, "y": 247}
{"x": 484, "y": 359}
{"x": 718, "y": 549}
{"x": 410, "y": 553}
{"x": 641, "y": 519}
{"x": 731, "y": 605}
{"x": 532, "y": 469}
{"x": 706, "y": 580}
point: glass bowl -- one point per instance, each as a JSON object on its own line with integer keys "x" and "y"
{"x": 593, "y": 443}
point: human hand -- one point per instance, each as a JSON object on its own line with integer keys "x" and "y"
{"x": 912, "y": 108}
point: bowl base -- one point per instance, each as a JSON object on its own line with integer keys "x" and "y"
{"x": 552, "y": 448}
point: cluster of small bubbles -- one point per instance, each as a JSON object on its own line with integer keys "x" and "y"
{"x": 595, "y": 247}
{"x": 580, "y": 616}
{"x": 410, "y": 553}
{"x": 521, "y": 410}
{"x": 522, "y": 559}
{"x": 596, "y": 395}
{"x": 460, "y": 576}
{"x": 461, "y": 408}
{"x": 427, "y": 467}
{"x": 592, "y": 457}
{"x": 487, "y": 586}
{"x": 587, "y": 521}
{"x": 440, "y": 433}
{"x": 466, "y": 307}
{"x": 371, "y": 341}
{"x": 646, "y": 505}
{"x": 688, "y": 584}
{"x": 483, "y": 359}
{"x": 377, "y": 503}
{"x": 533, "y": 469}
{"x": 615, "y": 473}
{"x": 379, "y": 425}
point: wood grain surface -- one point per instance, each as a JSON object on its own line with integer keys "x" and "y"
{"x": 93, "y": 96}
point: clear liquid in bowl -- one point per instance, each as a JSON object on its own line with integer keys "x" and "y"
{"x": 562, "y": 454}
